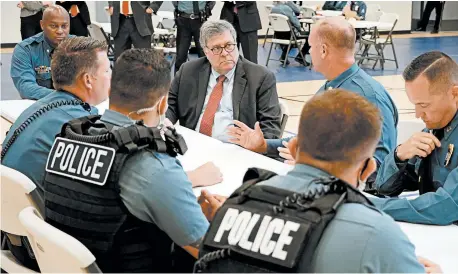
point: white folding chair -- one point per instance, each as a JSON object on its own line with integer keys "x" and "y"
{"x": 281, "y": 23}
{"x": 284, "y": 116}
{"x": 379, "y": 43}
{"x": 406, "y": 128}
{"x": 17, "y": 193}
{"x": 268, "y": 11}
{"x": 56, "y": 251}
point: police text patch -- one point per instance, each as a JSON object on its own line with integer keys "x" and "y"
{"x": 275, "y": 239}
{"x": 81, "y": 161}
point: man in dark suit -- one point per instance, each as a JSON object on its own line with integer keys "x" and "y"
{"x": 131, "y": 24}
{"x": 79, "y": 16}
{"x": 209, "y": 93}
{"x": 244, "y": 16}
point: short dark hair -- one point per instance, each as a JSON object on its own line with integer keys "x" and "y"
{"x": 74, "y": 56}
{"x": 140, "y": 77}
{"x": 436, "y": 66}
{"x": 337, "y": 125}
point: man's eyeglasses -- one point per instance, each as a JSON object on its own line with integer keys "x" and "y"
{"x": 218, "y": 50}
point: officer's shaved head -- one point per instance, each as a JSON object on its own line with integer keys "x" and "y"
{"x": 339, "y": 126}
{"x": 440, "y": 70}
{"x": 53, "y": 11}
{"x": 55, "y": 24}
{"x": 336, "y": 32}
{"x": 332, "y": 46}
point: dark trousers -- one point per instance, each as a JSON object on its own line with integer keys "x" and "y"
{"x": 248, "y": 40}
{"x": 30, "y": 25}
{"x": 128, "y": 35}
{"x": 287, "y": 35}
{"x": 186, "y": 30}
{"x": 430, "y": 5}
{"x": 77, "y": 26}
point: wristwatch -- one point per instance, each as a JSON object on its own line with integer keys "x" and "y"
{"x": 396, "y": 159}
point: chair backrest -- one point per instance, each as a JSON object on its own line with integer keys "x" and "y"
{"x": 284, "y": 116}
{"x": 307, "y": 12}
{"x": 16, "y": 194}
{"x": 268, "y": 8}
{"x": 279, "y": 22}
{"x": 55, "y": 250}
{"x": 406, "y": 128}
{"x": 96, "y": 32}
{"x": 157, "y": 21}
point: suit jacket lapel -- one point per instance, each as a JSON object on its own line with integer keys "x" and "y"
{"x": 239, "y": 88}
{"x": 204, "y": 77}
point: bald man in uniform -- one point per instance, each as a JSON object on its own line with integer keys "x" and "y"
{"x": 31, "y": 62}
{"x": 332, "y": 47}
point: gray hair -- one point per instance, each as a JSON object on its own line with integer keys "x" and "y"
{"x": 212, "y": 28}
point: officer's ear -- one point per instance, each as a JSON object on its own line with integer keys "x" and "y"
{"x": 367, "y": 168}
{"x": 292, "y": 146}
{"x": 324, "y": 51}
{"x": 163, "y": 105}
{"x": 87, "y": 81}
{"x": 41, "y": 24}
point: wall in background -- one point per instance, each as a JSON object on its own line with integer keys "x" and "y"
{"x": 10, "y": 22}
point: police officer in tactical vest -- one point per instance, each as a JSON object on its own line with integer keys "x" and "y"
{"x": 113, "y": 181}
{"x": 314, "y": 218}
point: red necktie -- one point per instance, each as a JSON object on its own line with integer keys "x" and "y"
{"x": 206, "y": 124}
{"x": 74, "y": 10}
{"x": 125, "y": 8}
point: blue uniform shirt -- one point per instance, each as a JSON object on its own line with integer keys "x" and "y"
{"x": 360, "y": 8}
{"x": 440, "y": 207}
{"x": 31, "y": 67}
{"x": 30, "y": 151}
{"x": 360, "y": 239}
{"x": 357, "y": 80}
{"x": 188, "y": 6}
{"x": 155, "y": 189}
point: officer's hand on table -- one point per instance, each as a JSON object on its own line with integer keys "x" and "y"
{"x": 252, "y": 139}
{"x": 210, "y": 203}
{"x": 110, "y": 11}
{"x": 206, "y": 175}
{"x": 430, "y": 267}
{"x": 288, "y": 152}
{"x": 420, "y": 144}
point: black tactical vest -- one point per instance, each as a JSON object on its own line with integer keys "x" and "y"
{"x": 82, "y": 194}
{"x": 263, "y": 229}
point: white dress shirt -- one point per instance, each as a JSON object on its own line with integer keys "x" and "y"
{"x": 224, "y": 114}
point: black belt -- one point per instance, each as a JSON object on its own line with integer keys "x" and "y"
{"x": 127, "y": 16}
{"x": 187, "y": 15}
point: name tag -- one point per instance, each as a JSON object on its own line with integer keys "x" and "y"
{"x": 81, "y": 161}
{"x": 42, "y": 69}
{"x": 275, "y": 239}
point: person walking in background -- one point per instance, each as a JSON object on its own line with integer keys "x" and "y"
{"x": 430, "y": 5}
{"x": 79, "y": 16}
{"x": 31, "y": 13}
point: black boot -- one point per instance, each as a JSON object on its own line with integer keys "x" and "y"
{"x": 435, "y": 31}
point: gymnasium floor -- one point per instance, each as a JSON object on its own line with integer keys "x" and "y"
{"x": 296, "y": 84}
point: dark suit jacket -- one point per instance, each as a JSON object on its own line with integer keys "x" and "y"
{"x": 254, "y": 95}
{"x": 143, "y": 20}
{"x": 247, "y": 12}
{"x": 82, "y": 6}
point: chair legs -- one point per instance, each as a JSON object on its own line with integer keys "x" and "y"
{"x": 286, "y": 56}
{"x": 265, "y": 37}
{"x": 394, "y": 54}
{"x": 270, "y": 51}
